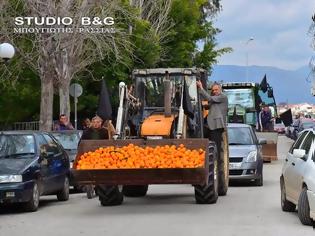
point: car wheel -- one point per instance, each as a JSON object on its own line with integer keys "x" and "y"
{"x": 304, "y": 208}
{"x": 285, "y": 204}
{"x": 63, "y": 195}
{"x": 33, "y": 203}
{"x": 259, "y": 181}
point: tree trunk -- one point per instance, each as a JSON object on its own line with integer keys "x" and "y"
{"x": 64, "y": 99}
{"x": 46, "y": 104}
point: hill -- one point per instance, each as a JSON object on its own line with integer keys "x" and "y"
{"x": 292, "y": 86}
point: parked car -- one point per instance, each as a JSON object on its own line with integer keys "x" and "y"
{"x": 69, "y": 139}
{"x": 32, "y": 164}
{"x": 300, "y": 125}
{"x": 279, "y": 128}
{"x": 297, "y": 180}
{"x": 245, "y": 154}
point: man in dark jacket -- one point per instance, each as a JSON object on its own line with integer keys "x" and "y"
{"x": 265, "y": 119}
{"x": 63, "y": 123}
{"x": 96, "y": 132}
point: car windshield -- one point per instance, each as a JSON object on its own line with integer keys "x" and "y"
{"x": 17, "y": 145}
{"x": 69, "y": 141}
{"x": 240, "y": 136}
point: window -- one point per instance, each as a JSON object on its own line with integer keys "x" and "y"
{"x": 240, "y": 136}
{"x": 52, "y": 145}
{"x": 298, "y": 142}
{"x": 306, "y": 145}
{"x": 42, "y": 143}
{"x": 240, "y": 97}
{"x": 69, "y": 141}
{"x": 16, "y": 145}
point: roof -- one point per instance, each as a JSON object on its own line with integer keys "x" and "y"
{"x": 238, "y": 84}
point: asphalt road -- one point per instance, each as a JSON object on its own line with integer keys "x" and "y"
{"x": 166, "y": 210}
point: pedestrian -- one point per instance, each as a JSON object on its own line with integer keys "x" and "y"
{"x": 86, "y": 124}
{"x": 63, "y": 123}
{"x": 265, "y": 119}
{"x": 95, "y": 132}
{"x": 218, "y": 110}
{"x": 108, "y": 125}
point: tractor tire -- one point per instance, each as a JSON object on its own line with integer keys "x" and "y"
{"x": 208, "y": 194}
{"x": 223, "y": 166}
{"x": 285, "y": 204}
{"x": 304, "y": 208}
{"x": 135, "y": 190}
{"x": 109, "y": 195}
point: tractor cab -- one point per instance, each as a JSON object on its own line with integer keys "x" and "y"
{"x": 168, "y": 102}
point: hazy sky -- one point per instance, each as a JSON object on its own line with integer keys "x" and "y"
{"x": 279, "y": 28}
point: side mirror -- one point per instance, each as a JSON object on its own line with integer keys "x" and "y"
{"x": 50, "y": 154}
{"x": 262, "y": 141}
{"x": 299, "y": 153}
{"x": 46, "y": 154}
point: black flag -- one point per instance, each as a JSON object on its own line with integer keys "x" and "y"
{"x": 104, "y": 109}
{"x": 263, "y": 84}
{"x": 187, "y": 106}
{"x": 286, "y": 117}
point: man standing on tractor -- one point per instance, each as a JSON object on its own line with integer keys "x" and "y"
{"x": 218, "y": 110}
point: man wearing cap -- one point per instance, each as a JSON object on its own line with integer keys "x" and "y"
{"x": 218, "y": 109}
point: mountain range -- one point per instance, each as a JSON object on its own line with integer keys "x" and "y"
{"x": 289, "y": 86}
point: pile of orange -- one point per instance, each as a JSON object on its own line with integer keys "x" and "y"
{"x": 133, "y": 156}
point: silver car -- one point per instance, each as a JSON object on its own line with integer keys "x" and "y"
{"x": 297, "y": 180}
{"x": 246, "y": 162}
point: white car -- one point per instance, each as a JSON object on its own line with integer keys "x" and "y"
{"x": 297, "y": 180}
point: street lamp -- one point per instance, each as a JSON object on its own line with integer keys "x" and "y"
{"x": 246, "y": 44}
{"x": 7, "y": 51}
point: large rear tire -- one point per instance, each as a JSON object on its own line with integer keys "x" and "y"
{"x": 135, "y": 190}
{"x": 304, "y": 208}
{"x": 208, "y": 194}
{"x": 223, "y": 166}
{"x": 109, "y": 195}
{"x": 285, "y": 204}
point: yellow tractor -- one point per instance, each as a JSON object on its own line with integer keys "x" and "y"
{"x": 161, "y": 107}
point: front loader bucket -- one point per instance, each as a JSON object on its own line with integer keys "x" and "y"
{"x": 142, "y": 176}
{"x": 269, "y": 150}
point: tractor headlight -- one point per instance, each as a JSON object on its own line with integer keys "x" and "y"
{"x": 251, "y": 157}
{"x": 10, "y": 178}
